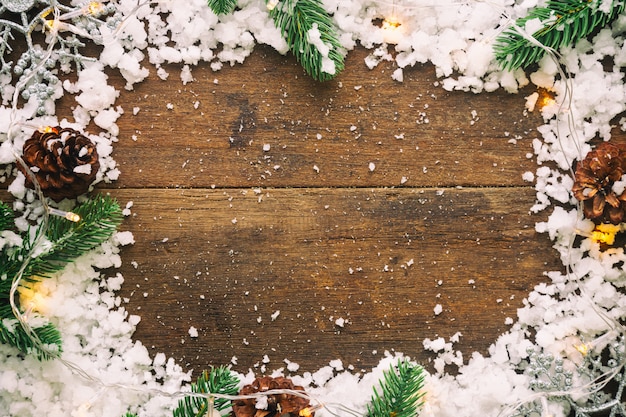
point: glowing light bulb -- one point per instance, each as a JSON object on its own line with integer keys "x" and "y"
{"x": 392, "y": 30}
{"x": 47, "y": 129}
{"x": 32, "y": 300}
{"x": 95, "y": 8}
{"x": 583, "y": 348}
{"x": 271, "y": 4}
{"x": 73, "y": 217}
{"x": 546, "y": 98}
{"x": 605, "y": 233}
{"x": 53, "y": 25}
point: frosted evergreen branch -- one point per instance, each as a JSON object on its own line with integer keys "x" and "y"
{"x": 216, "y": 381}
{"x": 222, "y": 6}
{"x": 401, "y": 392}
{"x": 297, "y": 21}
{"x": 564, "y": 23}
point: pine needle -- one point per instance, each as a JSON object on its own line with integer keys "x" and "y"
{"x": 401, "y": 392}
{"x": 295, "y": 19}
{"x": 565, "y": 22}
{"x": 12, "y": 333}
{"x": 6, "y": 217}
{"x": 222, "y": 6}
{"x": 216, "y": 381}
{"x": 100, "y": 217}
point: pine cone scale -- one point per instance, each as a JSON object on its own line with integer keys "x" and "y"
{"x": 277, "y": 405}
{"x": 594, "y": 180}
{"x": 58, "y": 158}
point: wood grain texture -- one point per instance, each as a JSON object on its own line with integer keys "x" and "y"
{"x": 413, "y": 129}
{"x": 225, "y": 261}
{"x": 253, "y": 194}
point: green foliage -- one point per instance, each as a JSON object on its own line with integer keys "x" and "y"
{"x": 222, "y": 6}
{"x": 12, "y": 333}
{"x": 295, "y": 18}
{"x": 65, "y": 241}
{"x": 401, "y": 392}
{"x": 565, "y": 22}
{"x": 6, "y": 217}
{"x": 129, "y": 414}
{"x": 216, "y": 381}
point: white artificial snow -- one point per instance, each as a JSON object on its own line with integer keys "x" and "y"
{"x": 457, "y": 39}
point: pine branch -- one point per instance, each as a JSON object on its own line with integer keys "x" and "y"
{"x": 222, "y": 6}
{"x": 100, "y": 217}
{"x": 401, "y": 392}
{"x": 297, "y": 20}
{"x": 12, "y": 333}
{"x": 218, "y": 381}
{"x": 6, "y": 217}
{"x": 565, "y": 22}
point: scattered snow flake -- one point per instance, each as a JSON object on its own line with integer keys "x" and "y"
{"x": 193, "y": 332}
{"x": 372, "y": 166}
{"x": 438, "y": 309}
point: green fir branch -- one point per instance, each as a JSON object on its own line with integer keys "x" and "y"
{"x": 222, "y": 6}
{"x": 216, "y": 381}
{"x": 295, "y": 19}
{"x": 100, "y": 218}
{"x": 401, "y": 392}
{"x": 6, "y": 217}
{"x": 12, "y": 333}
{"x": 65, "y": 242}
{"x": 565, "y": 22}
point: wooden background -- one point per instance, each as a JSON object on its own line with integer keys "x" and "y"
{"x": 259, "y": 221}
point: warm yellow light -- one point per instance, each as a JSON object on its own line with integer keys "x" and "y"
{"x": 47, "y": 129}
{"x": 605, "y": 233}
{"x": 392, "y": 30}
{"x": 73, "y": 217}
{"x": 546, "y": 98}
{"x": 391, "y": 23}
{"x": 308, "y": 411}
{"x": 32, "y": 299}
{"x": 271, "y": 4}
{"x": 95, "y": 8}
{"x": 53, "y": 25}
{"x": 582, "y": 348}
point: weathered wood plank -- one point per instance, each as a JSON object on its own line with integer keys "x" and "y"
{"x": 225, "y": 261}
{"x": 329, "y": 238}
{"x": 413, "y": 129}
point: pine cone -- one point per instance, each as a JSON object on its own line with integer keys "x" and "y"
{"x": 604, "y": 201}
{"x": 277, "y": 404}
{"x": 64, "y": 161}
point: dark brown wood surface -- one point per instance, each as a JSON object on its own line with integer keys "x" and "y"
{"x": 259, "y": 221}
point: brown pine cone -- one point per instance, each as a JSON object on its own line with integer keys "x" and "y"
{"x": 594, "y": 184}
{"x": 64, "y": 161}
{"x": 277, "y": 404}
